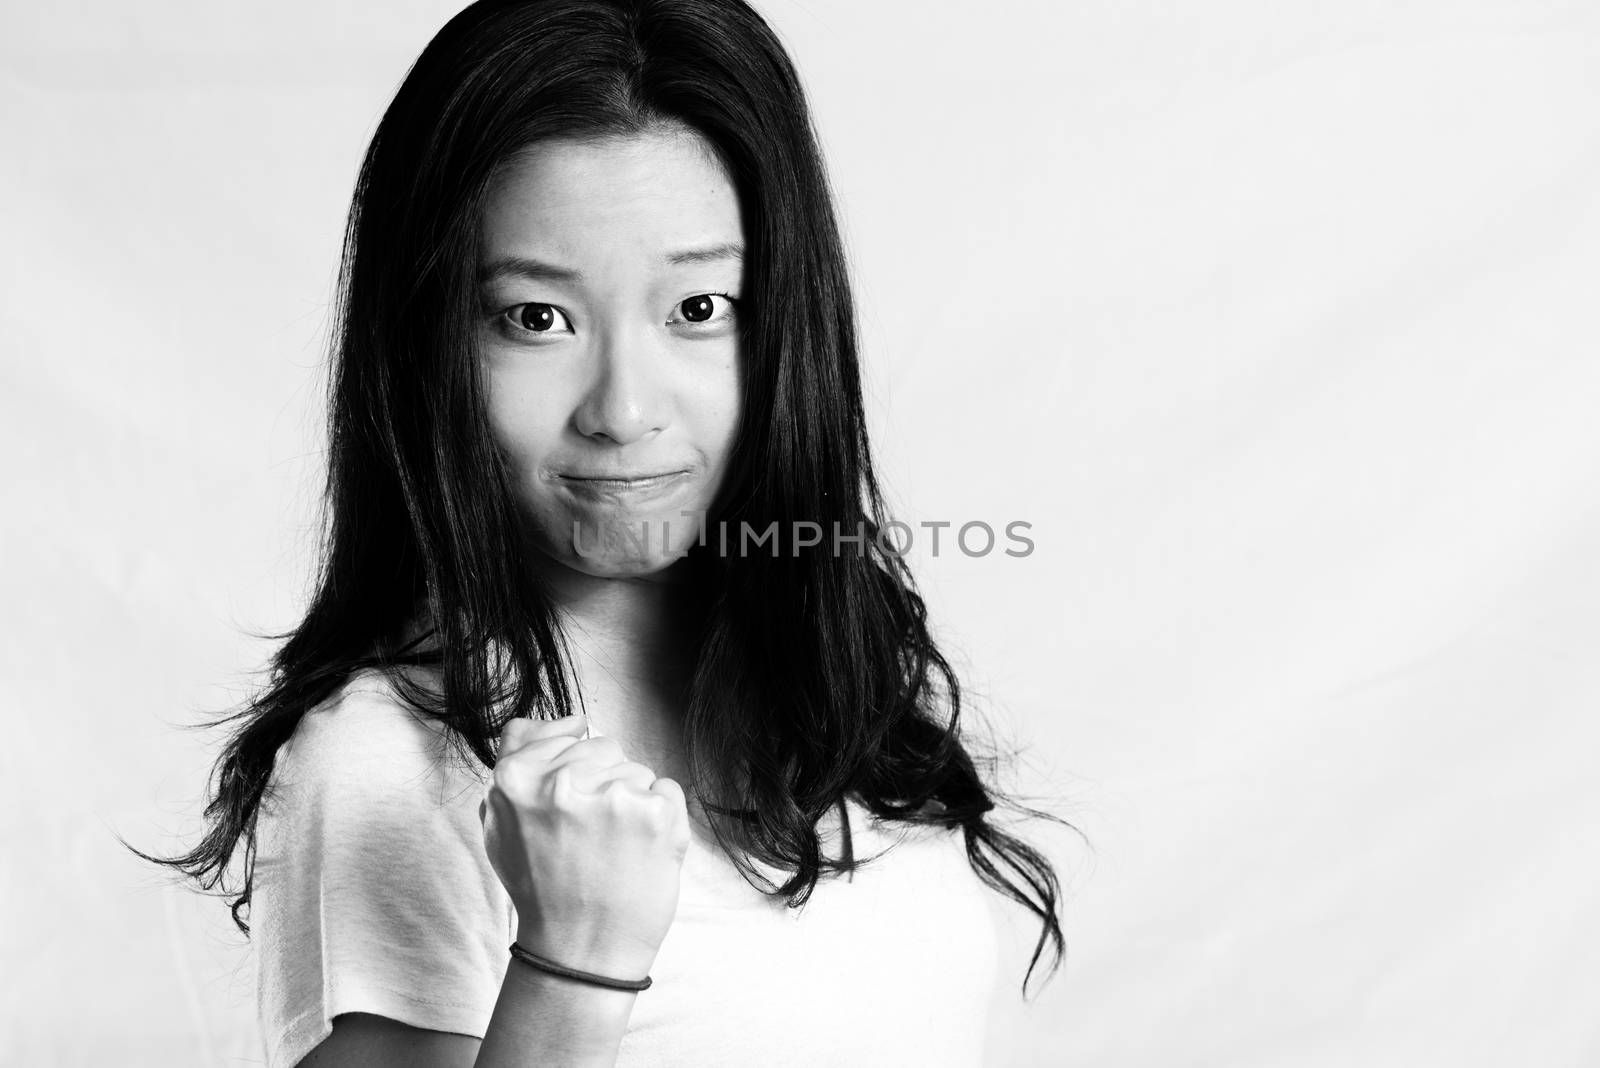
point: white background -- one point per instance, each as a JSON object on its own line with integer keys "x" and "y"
{"x": 1277, "y": 320}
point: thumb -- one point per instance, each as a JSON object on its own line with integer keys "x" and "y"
{"x": 522, "y": 731}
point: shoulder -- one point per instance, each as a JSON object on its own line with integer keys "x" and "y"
{"x": 373, "y": 892}
{"x": 367, "y": 800}
{"x": 366, "y": 739}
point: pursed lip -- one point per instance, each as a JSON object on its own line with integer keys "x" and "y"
{"x": 624, "y": 482}
{"x": 623, "y": 489}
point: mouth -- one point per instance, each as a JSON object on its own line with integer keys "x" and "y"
{"x": 628, "y": 488}
{"x": 623, "y": 482}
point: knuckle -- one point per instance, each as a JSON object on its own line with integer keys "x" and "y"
{"x": 617, "y": 795}
{"x": 562, "y": 784}
{"x": 508, "y": 779}
{"x": 658, "y": 808}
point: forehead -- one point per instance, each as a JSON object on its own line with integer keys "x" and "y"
{"x": 572, "y": 196}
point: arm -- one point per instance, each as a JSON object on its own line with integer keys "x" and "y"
{"x": 572, "y": 1024}
{"x": 397, "y": 935}
{"x": 539, "y": 1021}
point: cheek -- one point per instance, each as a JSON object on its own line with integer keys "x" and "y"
{"x": 525, "y": 425}
{"x": 718, "y": 409}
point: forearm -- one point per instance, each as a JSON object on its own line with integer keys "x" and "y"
{"x": 548, "y": 1021}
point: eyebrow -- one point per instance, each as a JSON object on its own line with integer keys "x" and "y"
{"x": 539, "y": 270}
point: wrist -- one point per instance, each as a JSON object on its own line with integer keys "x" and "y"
{"x": 572, "y": 1024}
{"x": 614, "y": 962}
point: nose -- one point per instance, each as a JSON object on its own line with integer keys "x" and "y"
{"x": 627, "y": 401}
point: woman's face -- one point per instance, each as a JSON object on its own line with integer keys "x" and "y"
{"x": 610, "y": 284}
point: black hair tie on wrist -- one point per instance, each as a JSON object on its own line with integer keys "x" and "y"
{"x": 572, "y": 973}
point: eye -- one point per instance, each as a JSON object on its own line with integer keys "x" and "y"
{"x": 702, "y": 308}
{"x": 535, "y": 318}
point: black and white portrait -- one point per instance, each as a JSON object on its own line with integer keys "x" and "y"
{"x": 651, "y": 533}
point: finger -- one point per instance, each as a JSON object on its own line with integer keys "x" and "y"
{"x": 594, "y": 778}
{"x": 499, "y": 808}
{"x": 518, "y": 774}
{"x": 521, "y": 731}
{"x": 539, "y": 753}
{"x": 526, "y": 729}
{"x": 603, "y": 751}
{"x": 670, "y": 789}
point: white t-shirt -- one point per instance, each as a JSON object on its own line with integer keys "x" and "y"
{"x": 373, "y": 893}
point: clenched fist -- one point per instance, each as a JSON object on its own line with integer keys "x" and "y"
{"x": 588, "y": 844}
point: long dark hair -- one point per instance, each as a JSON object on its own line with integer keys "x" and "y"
{"x": 817, "y": 677}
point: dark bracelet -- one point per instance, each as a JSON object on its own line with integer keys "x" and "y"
{"x": 572, "y": 973}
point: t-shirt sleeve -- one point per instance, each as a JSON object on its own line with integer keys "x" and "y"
{"x": 373, "y": 892}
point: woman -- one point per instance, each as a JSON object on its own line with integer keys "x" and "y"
{"x": 602, "y": 519}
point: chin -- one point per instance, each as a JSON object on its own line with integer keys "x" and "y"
{"x": 620, "y": 549}
{"x": 622, "y": 567}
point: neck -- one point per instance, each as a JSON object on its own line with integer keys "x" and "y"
{"x": 632, "y": 646}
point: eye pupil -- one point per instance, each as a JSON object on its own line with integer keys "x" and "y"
{"x": 697, "y": 309}
{"x": 538, "y": 316}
